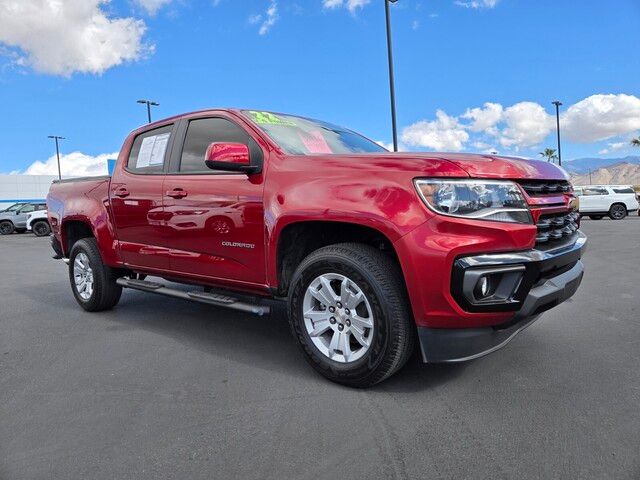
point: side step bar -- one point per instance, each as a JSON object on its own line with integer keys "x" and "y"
{"x": 202, "y": 297}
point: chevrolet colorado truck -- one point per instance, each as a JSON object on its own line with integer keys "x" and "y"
{"x": 373, "y": 252}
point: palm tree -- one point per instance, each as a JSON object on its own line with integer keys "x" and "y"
{"x": 549, "y": 154}
{"x": 635, "y": 142}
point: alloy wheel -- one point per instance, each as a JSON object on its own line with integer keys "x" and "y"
{"x": 338, "y": 317}
{"x": 618, "y": 212}
{"x": 83, "y": 276}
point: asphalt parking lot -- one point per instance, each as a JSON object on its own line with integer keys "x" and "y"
{"x": 162, "y": 388}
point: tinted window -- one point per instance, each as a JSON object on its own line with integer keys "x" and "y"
{"x": 28, "y": 208}
{"x": 624, "y": 190}
{"x": 594, "y": 191}
{"x": 203, "y": 132}
{"x": 148, "y": 151}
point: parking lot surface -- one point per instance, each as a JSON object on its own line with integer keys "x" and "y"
{"x": 161, "y": 388}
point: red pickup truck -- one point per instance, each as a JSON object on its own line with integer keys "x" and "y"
{"x": 373, "y": 252}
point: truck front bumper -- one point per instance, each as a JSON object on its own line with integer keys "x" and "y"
{"x": 541, "y": 280}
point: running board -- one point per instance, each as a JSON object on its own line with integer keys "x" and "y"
{"x": 202, "y": 297}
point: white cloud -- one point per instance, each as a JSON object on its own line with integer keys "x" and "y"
{"x": 484, "y": 118}
{"x": 477, "y": 3}
{"x": 600, "y": 117}
{"x": 63, "y": 37}
{"x": 351, "y": 5}
{"x": 444, "y": 133}
{"x": 74, "y": 164}
{"x": 267, "y": 20}
{"x": 152, "y": 6}
{"x": 614, "y": 147}
{"x": 527, "y": 124}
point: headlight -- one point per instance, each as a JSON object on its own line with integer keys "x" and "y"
{"x": 496, "y": 200}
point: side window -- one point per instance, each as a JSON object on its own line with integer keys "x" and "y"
{"x": 41, "y": 206}
{"x": 200, "y": 134}
{"x": 589, "y": 191}
{"x": 28, "y": 208}
{"x": 148, "y": 151}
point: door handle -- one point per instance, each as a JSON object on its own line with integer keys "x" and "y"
{"x": 121, "y": 192}
{"x": 177, "y": 193}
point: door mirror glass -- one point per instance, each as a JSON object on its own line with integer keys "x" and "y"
{"x": 232, "y": 157}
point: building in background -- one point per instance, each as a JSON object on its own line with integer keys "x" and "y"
{"x": 21, "y": 188}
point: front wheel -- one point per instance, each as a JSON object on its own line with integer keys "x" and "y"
{"x": 41, "y": 228}
{"x": 6, "y": 228}
{"x": 349, "y": 311}
{"x": 93, "y": 283}
{"x": 617, "y": 211}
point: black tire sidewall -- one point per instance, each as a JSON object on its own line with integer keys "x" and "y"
{"x": 353, "y": 373}
{"x": 104, "y": 295}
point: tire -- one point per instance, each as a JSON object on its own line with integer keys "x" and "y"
{"x": 7, "y": 228}
{"x": 617, "y": 211}
{"x": 41, "y": 228}
{"x": 596, "y": 217}
{"x": 378, "y": 278}
{"x": 105, "y": 292}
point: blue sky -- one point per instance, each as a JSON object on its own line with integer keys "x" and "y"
{"x": 325, "y": 59}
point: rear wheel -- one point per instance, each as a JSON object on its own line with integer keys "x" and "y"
{"x": 349, "y": 311}
{"x": 617, "y": 211}
{"x": 41, "y": 228}
{"x": 93, "y": 283}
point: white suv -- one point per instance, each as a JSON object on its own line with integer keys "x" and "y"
{"x": 615, "y": 201}
{"x": 38, "y": 223}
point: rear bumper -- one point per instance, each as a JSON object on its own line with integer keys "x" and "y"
{"x": 553, "y": 276}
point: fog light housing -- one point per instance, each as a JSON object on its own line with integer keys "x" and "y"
{"x": 492, "y": 285}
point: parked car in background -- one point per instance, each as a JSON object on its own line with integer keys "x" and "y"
{"x": 373, "y": 252}
{"x": 15, "y": 219}
{"x": 13, "y": 207}
{"x": 38, "y": 223}
{"x": 614, "y": 201}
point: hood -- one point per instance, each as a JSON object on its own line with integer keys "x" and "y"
{"x": 489, "y": 166}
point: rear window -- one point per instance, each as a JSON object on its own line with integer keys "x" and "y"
{"x": 149, "y": 150}
{"x": 624, "y": 190}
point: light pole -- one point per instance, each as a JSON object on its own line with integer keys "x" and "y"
{"x": 56, "y": 138}
{"x": 557, "y": 103}
{"x": 392, "y": 88}
{"x": 149, "y": 103}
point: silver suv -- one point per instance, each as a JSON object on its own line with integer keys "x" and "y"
{"x": 14, "y": 218}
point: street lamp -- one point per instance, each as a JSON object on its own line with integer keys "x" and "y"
{"x": 392, "y": 88}
{"x": 56, "y": 138}
{"x": 149, "y": 103}
{"x": 557, "y": 103}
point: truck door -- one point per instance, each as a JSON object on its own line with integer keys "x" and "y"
{"x": 136, "y": 199}
{"x": 214, "y": 220}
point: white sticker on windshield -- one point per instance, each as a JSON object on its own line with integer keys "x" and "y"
{"x": 152, "y": 150}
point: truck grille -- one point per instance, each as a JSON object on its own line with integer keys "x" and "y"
{"x": 545, "y": 187}
{"x": 556, "y": 227}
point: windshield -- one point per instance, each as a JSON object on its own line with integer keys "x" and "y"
{"x": 14, "y": 207}
{"x": 303, "y": 136}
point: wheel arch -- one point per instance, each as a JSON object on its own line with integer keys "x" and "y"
{"x": 298, "y": 239}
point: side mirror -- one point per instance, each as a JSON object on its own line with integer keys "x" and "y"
{"x": 231, "y": 157}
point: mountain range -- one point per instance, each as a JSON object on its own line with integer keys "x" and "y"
{"x": 583, "y": 165}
